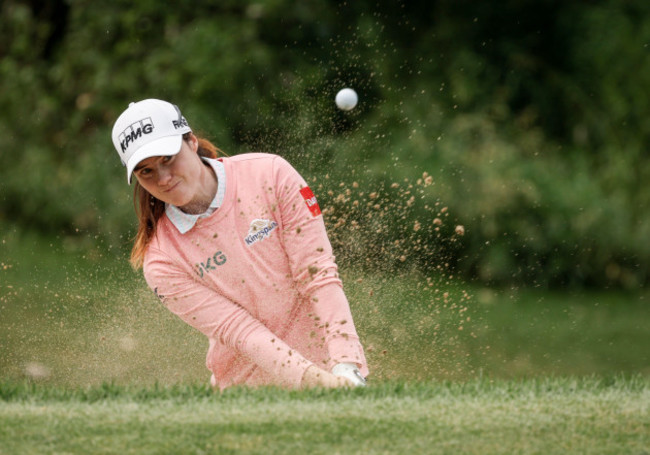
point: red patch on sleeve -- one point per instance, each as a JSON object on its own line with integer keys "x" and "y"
{"x": 310, "y": 200}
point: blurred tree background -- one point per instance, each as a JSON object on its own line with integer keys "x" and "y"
{"x": 527, "y": 122}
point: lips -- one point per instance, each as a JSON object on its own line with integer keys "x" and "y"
{"x": 171, "y": 188}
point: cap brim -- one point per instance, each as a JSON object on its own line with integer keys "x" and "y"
{"x": 165, "y": 146}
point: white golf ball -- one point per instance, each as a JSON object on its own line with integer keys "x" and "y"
{"x": 346, "y": 99}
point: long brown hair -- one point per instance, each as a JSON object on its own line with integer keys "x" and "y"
{"x": 148, "y": 209}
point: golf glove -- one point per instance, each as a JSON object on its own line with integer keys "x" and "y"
{"x": 349, "y": 371}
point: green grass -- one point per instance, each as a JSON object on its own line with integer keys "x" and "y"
{"x": 545, "y": 416}
{"x": 90, "y": 362}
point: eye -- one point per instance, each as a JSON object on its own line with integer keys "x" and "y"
{"x": 168, "y": 159}
{"x": 145, "y": 171}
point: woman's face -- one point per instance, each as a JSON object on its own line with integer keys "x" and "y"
{"x": 172, "y": 179}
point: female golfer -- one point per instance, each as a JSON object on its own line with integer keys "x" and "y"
{"x": 237, "y": 248}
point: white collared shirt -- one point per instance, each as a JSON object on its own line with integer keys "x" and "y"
{"x": 185, "y": 221}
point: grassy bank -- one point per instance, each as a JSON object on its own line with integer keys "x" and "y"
{"x": 550, "y": 416}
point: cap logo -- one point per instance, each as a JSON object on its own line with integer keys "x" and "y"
{"x": 180, "y": 122}
{"x": 135, "y": 131}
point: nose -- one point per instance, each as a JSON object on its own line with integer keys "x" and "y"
{"x": 164, "y": 176}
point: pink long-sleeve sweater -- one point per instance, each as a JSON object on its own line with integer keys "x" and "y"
{"x": 258, "y": 278}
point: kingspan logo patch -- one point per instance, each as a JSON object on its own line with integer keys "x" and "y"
{"x": 259, "y": 230}
{"x": 134, "y": 132}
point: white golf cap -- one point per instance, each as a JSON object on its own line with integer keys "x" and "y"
{"x": 148, "y": 128}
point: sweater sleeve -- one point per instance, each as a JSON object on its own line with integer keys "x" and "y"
{"x": 222, "y": 319}
{"x": 313, "y": 264}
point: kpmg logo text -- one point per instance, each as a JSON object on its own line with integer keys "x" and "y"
{"x": 217, "y": 259}
{"x": 135, "y": 131}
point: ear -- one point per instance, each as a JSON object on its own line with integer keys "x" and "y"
{"x": 193, "y": 142}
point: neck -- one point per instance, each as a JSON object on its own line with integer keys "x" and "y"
{"x": 207, "y": 190}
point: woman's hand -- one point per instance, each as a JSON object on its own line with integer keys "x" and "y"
{"x": 317, "y": 377}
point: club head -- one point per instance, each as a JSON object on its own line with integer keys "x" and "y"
{"x": 351, "y": 372}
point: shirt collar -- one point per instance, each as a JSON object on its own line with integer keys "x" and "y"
{"x": 185, "y": 221}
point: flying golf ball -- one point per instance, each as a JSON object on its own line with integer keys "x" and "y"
{"x": 346, "y": 99}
